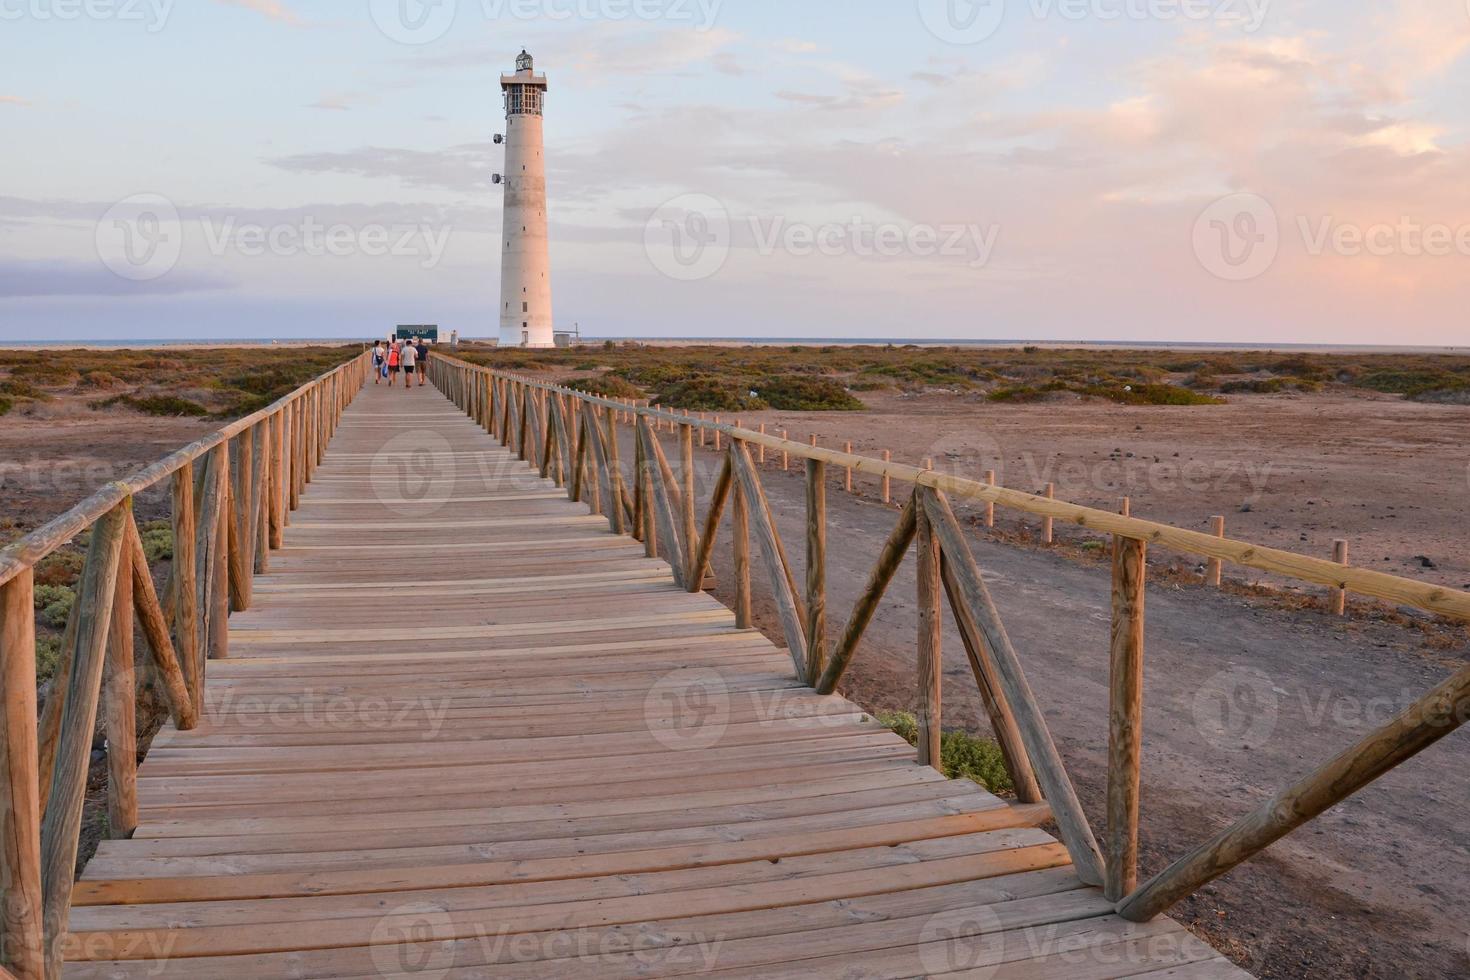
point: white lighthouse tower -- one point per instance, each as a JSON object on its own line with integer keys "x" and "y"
{"x": 525, "y": 268}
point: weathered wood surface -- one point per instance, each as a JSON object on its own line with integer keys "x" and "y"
{"x": 469, "y": 730}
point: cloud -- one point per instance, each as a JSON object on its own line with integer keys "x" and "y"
{"x": 463, "y": 168}
{"x": 26, "y": 278}
{"x": 14, "y": 100}
{"x": 271, "y": 9}
{"x": 332, "y": 103}
{"x": 794, "y": 46}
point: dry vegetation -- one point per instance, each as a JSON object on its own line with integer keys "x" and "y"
{"x": 219, "y": 383}
{"x": 806, "y": 378}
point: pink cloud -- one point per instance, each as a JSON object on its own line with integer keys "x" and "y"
{"x": 271, "y": 9}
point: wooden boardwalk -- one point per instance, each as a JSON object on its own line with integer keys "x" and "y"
{"x": 465, "y": 730}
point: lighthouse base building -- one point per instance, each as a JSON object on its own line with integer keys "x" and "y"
{"x": 525, "y": 276}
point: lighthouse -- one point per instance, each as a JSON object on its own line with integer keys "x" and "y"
{"x": 525, "y": 264}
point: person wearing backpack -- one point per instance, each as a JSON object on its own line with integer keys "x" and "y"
{"x": 393, "y": 364}
{"x": 423, "y": 359}
{"x": 380, "y": 366}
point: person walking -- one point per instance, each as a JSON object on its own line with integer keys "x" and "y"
{"x": 423, "y": 361}
{"x": 409, "y": 359}
{"x": 379, "y": 358}
{"x": 394, "y": 355}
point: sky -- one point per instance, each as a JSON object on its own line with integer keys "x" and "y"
{"x": 1245, "y": 171}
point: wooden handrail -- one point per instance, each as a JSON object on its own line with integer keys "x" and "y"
{"x": 1380, "y": 585}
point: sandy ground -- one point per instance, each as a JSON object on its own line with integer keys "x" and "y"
{"x": 1295, "y": 472}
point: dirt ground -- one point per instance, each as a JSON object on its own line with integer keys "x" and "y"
{"x": 1390, "y": 476}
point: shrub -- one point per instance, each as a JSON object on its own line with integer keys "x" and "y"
{"x": 804, "y": 394}
{"x": 6, "y": 404}
{"x": 101, "y": 380}
{"x": 1269, "y": 386}
{"x": 962, "y": 756}
{"x": 1151, "y": 395}
{"x": 1449, "y": 394}
{"x": 158, "y": 541}
{"x": 708, "y": 395}
{"x": 59, "y": 568}
{"x": 48, "y": 657}
{"x": 55, "y": 602}
{"x": 1393, "y": 382}
{"x": 169, "y": 405}
{"x": 22, "y": 389}
{"x": 607, "y": 386}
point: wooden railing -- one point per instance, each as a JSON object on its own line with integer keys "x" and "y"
{"x": 232, "y": 494}
{"x": 572, "y": 437}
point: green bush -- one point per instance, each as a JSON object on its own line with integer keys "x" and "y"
{"x": 1270, "y": 386}
{"x": 60, "y": 568}
{"x": 607, "y": 386}
{"x": 169, "y": 405}
{"x": 707, "y": 395}
{"x": 1405, "y": 382}
{"x": 48, "y": 657}
{"x": 55, "y": 602}
{"x": 158, "y": 541}
{"x": 1151, "y": 395}
{"x": 962, "y": 756}
{"x": 6, "y": 404}
{"x": 805, "y": 394}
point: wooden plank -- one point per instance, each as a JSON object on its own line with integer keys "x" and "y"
{"x": 816, "y": 570}
{"x": 21, "y": 939}
{"x": 120, "y": 697}
{"x": 186, "y": 610}
{"x": 930, "y": 669}
{"x": 60, "y": 829}
{"x": 1125, "y": 715}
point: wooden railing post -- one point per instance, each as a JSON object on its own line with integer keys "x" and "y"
{"x": 1339, "y": 596}
{"x": 778, "y": 568}
{"x": 185, "y": 579}
{"x": 816, "y": 570}
{"x": 1215, "y": 568}
{"x": 213, "y": 559}
{"x": 60, "y": 829}
{"x": 1125, "y": 715}
{"x": 740, "y": 534}
{"x": 22, "y": 946}
{"x": 278, "y": 481}
{"x": 930, "y": 649}
{"x": 718, "y": 499}
{"x": 120, "y": 701}
{"x": 154, "y": 627}
{"x": 687, "y": 494}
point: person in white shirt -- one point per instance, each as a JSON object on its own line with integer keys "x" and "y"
{"x": 380, "y": 355}
{"x": 409, "y": 358}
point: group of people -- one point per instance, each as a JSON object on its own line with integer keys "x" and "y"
{"x": 406, "y": 357}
